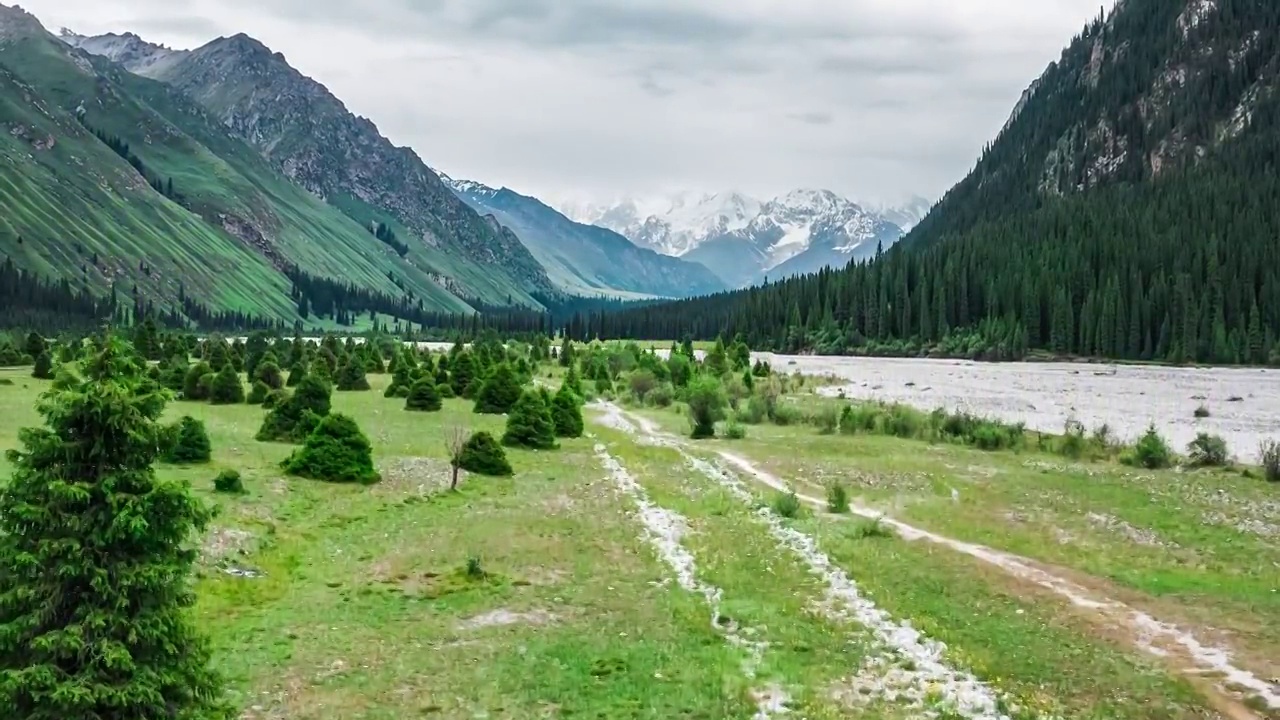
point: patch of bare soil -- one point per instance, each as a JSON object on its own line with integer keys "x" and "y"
{"x": 502, "y": 617}
{"x": 420, "y": 476}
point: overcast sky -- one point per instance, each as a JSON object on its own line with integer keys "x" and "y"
{"x": 600, "y": 98}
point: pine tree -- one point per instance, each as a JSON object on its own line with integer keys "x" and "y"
{"x": 336, "y": 451}
{"x": 566, "y": 413}
{"x": 423, "y": 397}
{"x": 187, "y": 442}
{"x": 295, "y": 418}
{"x": 227, "y": 389}
{"x": 573, "y": 381}
{"x": 499, "y": 393}
{"x": 192, "y": 386}
{"x": 529, "y": 424}
{"x": 462, "y": 371}
{"x": 84, "y": 510}
{"x": 482, "y": 455}
{"x": 44, "y": 367}
{"x": 351, "y": 375}
{"x": 268, "y": 373}
{"x": 296, "y": 373}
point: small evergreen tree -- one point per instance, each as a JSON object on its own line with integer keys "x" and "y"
{"x": 499, "y": 393}
{"x": 336, "y": 451}
{"x": 44, "y": 367}
{"x": 95, "y": 561}
{"x": 423, "y": 397}
{"x": 296, "y": 374}
{"x": 446, "y": 391}
{"x": 573, "y": 381}
{"x": 295, "y": 418}
{"x": 462, "y": 371}
{"x": 227, "y": 389}
{"x": 707, "y": 404}
{"x": 351, "y": 376}
{"x": 529, "y": 424}
{"x": 268, "y": 373}
{"x": 482, "y": 455}
{"x": 192, "y": 386}
{"x": 258, "y": 393}
{"x": 187, "y": 443}
{"x": 566, "y": 413}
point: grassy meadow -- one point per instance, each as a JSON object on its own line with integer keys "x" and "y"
{"x": 634, "y": 573}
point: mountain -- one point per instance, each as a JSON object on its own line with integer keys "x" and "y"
{"x": 906, "y": 214}
{"x": 223, "y": 177}
{"x": 584, "y": 259}
{"x": 744, "y": 240}
{"x": 1126, "y": 210}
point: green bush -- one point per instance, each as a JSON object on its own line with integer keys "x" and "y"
{"x": 275, "y": 398}
{"x": 530, "y": 424}
{"x": 423, "y": 397}
{"x": 258, "y": 394}
{"x": 661, "y": 396}
{"x": 1269, "y": 454}
{"x": 734, "y": 430}
{"x": 754, "y": 412}
{"x": 566, "y": 414}
{"x": 787, "y": 415}
{"x": 351, "y": 376}
{"x": 226, "y": 389}
{"x": 1152, "y": 452}
{"x": 827, "y": 419}
{"x": 871, "y": 528}
{"x": 295, "y": 418}
{"x": 296, "y": 373}
{"x": 445, "y": 390}
{"x": 499, "y": 393}
{"x": 707, "y": 404}
{"x": 193, "y": 386}
{"x": 187, "y": 442}
{"x": 228, "y": 481}
{"x": 837, "y": 498}
{"x": 482, "y": 455}
{"x": 1208, "y": 451}
{"x": 336, "y": 451}
{"x": 787, "y": 505}
{"x": 44, "y": 367}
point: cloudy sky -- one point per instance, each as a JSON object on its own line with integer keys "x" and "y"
{"x": 592, "y": 99}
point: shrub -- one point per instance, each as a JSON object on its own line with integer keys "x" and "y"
{"x": 187, "y": 442}
{"x": 529, "y": 424}
{"x": 1269, "y": 454}
{"x": 827, "y": 419}
{"x": 661, "y": 396}
{"x": 296, "y": 373}
{"x": 1072, "y": 444}
{"x": 482, "y": 455}
{"x": 192, "y": 386}
{"x": 1202, "y": 411}
{"x": 274, "y": 399}
{"x": 226, "y": 389}
{"x": 499, "y": 392}
{"x": 787, "y": 505}
{"x": 295, "y": 418}
{"x": 258, "y": 394}
{"x": 754, "y": 412}
{"x": 351, "y": 376}
{"x": 707, "y": 404}
{"x": 735, "y": 430}
{"x": 566, "y": 414}
{"x": 1208, "y": 451}
{"x": 445, "y": 390}
{"x": 228, "y": 481}
{"x": 1152, "y": 452}
{"x": 785, "y": 415}
{"x": 44, "y": 367}
{"x": 336, "y": 451}
{"x": 871, "y": 528}
{"x": 268, "y": 373}
{"x": 423, "y": 397}
{"x": 642, "y": 382}
{"x": 837, "y": 498}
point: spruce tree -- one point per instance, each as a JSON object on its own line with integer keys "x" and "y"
{"x": 351, "y": 375}
{"x": 227, "y": 389}
{"x": 482, "y": 455}
{"x": 295, "y": 374}
{"x": 268, "y": 373}
{"x": 336, "y": 451}
{"x": 423, "y": 397}
{"x": 573, "y": 381}
{"x": 192, "y": 387}
{"x": 462, "y": 371}
{"x": 529, "y": 424}
{"x": 96, "y": 563}
{"x": 499, "y": 392}
{"x": 44, "y": 367}
{"x": 187, "y": 442}
{"x": 566, "y": 414}
{"x": 295, "y": 418}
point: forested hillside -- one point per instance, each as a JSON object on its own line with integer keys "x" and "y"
{"x": 1127, "y": 210}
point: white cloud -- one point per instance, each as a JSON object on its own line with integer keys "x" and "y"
{"x": 873, "y": 98}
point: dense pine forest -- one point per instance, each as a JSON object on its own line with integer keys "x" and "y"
{"x": 1128, "y": 210}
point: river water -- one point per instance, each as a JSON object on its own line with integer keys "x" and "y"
{"x": 1244, "y": 403}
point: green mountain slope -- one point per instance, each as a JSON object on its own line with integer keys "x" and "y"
{"x": 585, "y": 259}
{"x": 308, "y": 135}
{"x": 1127, "y": 210}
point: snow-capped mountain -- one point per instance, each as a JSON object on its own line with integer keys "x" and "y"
{"x": 744, "y": 240}
{"x": 906, "y": 214}
{"x": 586, "y": 259}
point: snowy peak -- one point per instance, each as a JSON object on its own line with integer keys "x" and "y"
{"x": 465, "y": 186}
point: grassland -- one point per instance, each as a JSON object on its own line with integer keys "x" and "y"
{"x": 635, "y": 574}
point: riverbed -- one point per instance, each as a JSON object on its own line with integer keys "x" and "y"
{"x": 1243, "y": 403}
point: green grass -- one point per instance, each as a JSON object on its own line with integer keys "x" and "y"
{"x": 364, "y": 607}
